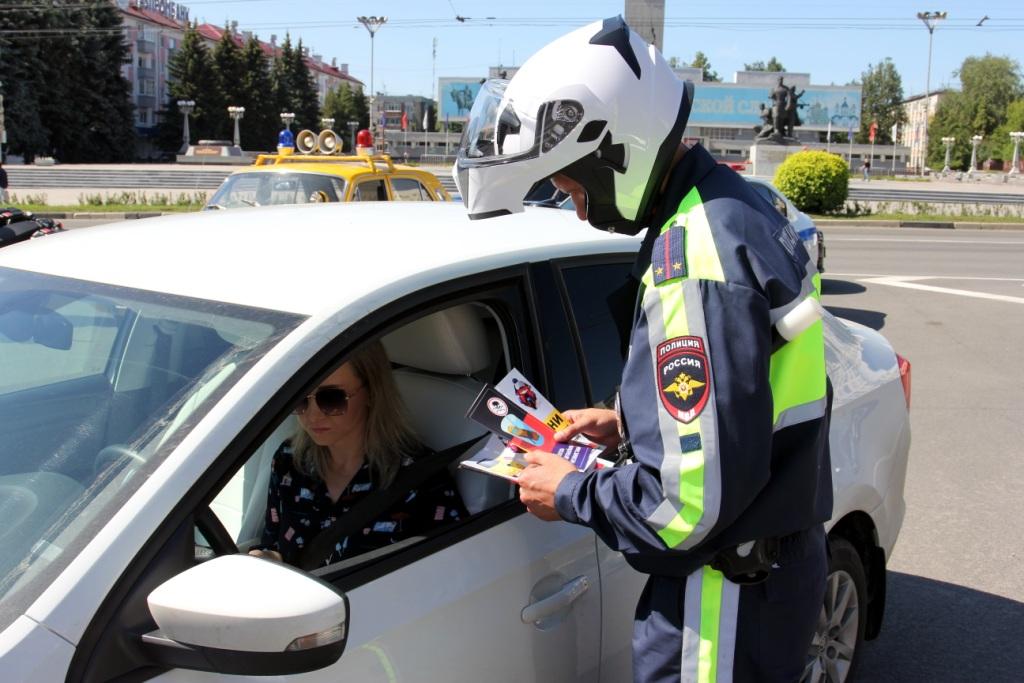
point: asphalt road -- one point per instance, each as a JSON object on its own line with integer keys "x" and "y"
{"x": 951, "y": 302}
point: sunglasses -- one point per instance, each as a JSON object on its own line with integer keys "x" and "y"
{"x": 331, "y": 401}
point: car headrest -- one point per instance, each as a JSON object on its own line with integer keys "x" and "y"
{"x": 453, "y": 341}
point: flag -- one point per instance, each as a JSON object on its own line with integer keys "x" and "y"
{"x": 895, "y": 132}
{"x": 872, "y": 130}
{"x": 426, "y": 118}
{"x": 828, "y": 136}
{"x": 383, "y": 120}
{"x": 405, "y": 121}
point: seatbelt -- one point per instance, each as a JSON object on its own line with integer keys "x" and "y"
{"x": 313, "y": 555}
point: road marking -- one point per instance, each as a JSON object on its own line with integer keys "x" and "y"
{"x": 830, "y": 240}
{"x": 828, "y": 275}
{"x": 907, "y": 282}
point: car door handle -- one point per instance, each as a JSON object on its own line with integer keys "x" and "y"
{"x": 561, "y": 600}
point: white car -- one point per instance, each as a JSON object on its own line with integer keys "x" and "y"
{"x": 148, "y": 371}
{"x": 813, "y": 239}
{"x": 545, "y": 194}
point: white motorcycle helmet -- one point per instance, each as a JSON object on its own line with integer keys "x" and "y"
{"x": 599, "y": 105}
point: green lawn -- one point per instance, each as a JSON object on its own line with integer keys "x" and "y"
{"x": 112, "y": 208}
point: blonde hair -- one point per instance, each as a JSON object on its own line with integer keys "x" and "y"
{"x": 389, "y": 436}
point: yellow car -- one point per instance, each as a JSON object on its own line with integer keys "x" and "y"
{"x": 307, "y": 178}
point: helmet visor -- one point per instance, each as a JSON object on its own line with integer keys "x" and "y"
{"x": 497, "y": 134}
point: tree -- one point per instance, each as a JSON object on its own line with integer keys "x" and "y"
{"x": 700, "y": 61}
{"x": 262, "y": 118}
{"x": 64, "y": 93}
{"x": 305, "y": 102}
{"x": 229, "y": 71}
{"x": 1001, "y": 139}
{"x": 24, "y": 72}
{"x": 279, "y": 85}
{"x": 989, "y": 85}
{"x": 293, "y": 87}
{"x": 339, "y": 104}
{"x": 772, "y": 65}
{"x": 192, "y": 77}
{"x": 361, "y": 106}
{"x": 881, "y": 101}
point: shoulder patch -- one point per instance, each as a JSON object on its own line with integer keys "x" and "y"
{"x": 668, "y": 256}
{"x": 684, "y": 377}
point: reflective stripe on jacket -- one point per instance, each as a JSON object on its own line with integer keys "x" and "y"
{"x": 724, "y": 391}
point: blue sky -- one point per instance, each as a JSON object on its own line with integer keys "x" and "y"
{"x": 834, "y": 42}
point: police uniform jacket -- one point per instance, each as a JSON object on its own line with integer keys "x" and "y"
{"x": 724, "y": 394}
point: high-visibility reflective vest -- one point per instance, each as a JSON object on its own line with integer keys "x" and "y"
{"x": 724, "y": 392}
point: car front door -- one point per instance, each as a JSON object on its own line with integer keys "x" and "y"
{"x": 600, "y": 295}
{"x": 498, "y": 596}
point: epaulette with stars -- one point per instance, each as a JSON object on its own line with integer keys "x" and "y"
{"x": 668, "y": 257}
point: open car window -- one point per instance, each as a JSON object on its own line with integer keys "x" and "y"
{"x": 439, "y": 363}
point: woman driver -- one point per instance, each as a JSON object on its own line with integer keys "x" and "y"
{"x": 353, "y": 440}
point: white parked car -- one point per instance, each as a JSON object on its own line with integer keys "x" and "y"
{"x": 813, "y": 239}
{"x": 545, "y": 194}
{"x": 147, "y": 374}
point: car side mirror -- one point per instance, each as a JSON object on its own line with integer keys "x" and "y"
{"x": 247, "y": 616}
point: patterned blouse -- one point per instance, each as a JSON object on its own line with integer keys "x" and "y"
{"x": 298, "y": 507}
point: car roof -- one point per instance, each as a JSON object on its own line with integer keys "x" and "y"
{"x": 311, "y": 259}
{"x": 347, "y": 167}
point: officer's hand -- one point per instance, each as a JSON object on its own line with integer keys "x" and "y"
{"x": 539, "y": 481}
{"x": 597, "y": 424}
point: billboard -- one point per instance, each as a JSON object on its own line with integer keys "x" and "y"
{"x": 455, "y": 97}
{"x": 734, "y": 106}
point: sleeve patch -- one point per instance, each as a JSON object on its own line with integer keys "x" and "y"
{"x": 689, "y": 443}
{"x": 668, "y": 256}
{"x": 684, "y": 377}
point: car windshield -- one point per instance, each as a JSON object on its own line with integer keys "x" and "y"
{"x": 262, "y": 189}
{"x": 98, "y": 384}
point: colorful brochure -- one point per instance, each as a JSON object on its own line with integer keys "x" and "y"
{"x": 523, "y": 420}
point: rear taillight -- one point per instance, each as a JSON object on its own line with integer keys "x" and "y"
{"x": 904, "y": 366}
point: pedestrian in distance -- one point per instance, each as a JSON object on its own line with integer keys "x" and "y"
{"x": 3, "y": 184}
{"x": 721, "y": 421}
{"x": 866, "y": 169}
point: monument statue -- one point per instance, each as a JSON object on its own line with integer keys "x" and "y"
{"x": 779, "y": 120}
{"x": 792, "y": 110}
{"x": 779, "y": 97}
{"x": 767, "y": 127}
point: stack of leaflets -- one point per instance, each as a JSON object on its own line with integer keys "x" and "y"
{"x": 522, "y": 420}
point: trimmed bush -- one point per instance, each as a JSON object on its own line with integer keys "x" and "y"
{"x": 817, "y": 182}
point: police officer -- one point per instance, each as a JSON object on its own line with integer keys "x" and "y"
{"x": 723, "y": 409}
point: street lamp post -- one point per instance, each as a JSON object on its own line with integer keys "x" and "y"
{"x": 930, "y": 19}
{"x": 372, "y": 25}
{"x": 352, "y": 125}
{"x": 1015, "y": 164}
{"x": 237, "y": 113}
{"x": 948, "y": 142}
{"x": 186, "y": 107}
{"x": 975, "y": 141}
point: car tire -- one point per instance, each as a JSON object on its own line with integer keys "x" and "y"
{"x": 832, "y": 657}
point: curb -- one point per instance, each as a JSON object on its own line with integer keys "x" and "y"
{"x": 101, "y": 215}
{"x": 947, "y": 225}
